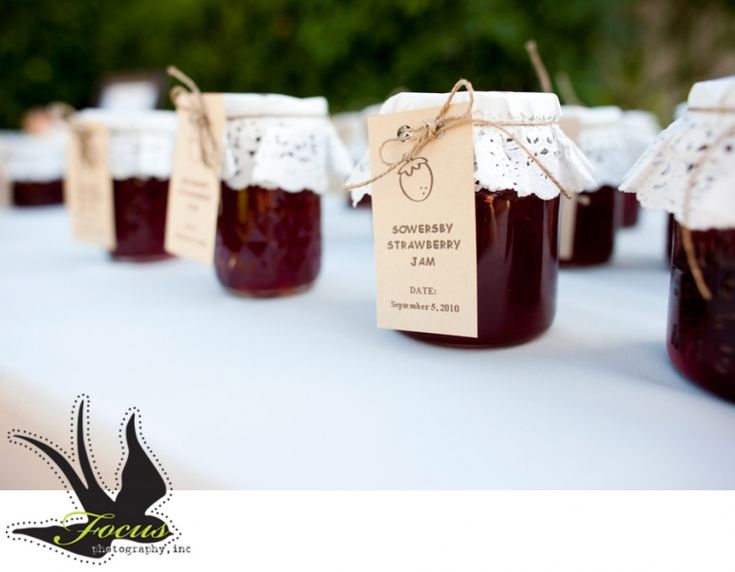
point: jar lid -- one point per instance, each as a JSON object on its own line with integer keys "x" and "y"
{"x": 641, "y": 129}
{"x": 280, "y": 142}
{"x": 273, "y": 104}
{"x": 35, "y": 158}
{"x": 490, "y": 105}
{"x": 500, "y": 162}
{"x": 129, "y": 120}
{"x": 601, "y": 134}
{"x": 141, "y": 142}
{"x": 689, "y": 170}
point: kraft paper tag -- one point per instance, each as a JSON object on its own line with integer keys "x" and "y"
{"x": 424, "y": 229}
{"x": 88, "y": 185}
{"x": 568, "y": 217}
{"x": 567, "y": 227}
{"x": 194, "y": 190}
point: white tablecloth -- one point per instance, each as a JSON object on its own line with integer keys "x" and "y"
{"x": 305, "y": 392}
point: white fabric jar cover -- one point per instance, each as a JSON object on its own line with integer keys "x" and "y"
{"x": 640, "y": 129}
{"x": 500, "y": 163}
{"x": 697, "y": 150}
{"x": 280, "y": 142}
{"x": 141, "y": 143}
{"x": 351, "y": 127}
{"x": 602, "y": 136}
{"x": 34, "y": 158}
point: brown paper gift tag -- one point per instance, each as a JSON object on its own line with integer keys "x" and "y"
{"x": 424, "y": 229}
{"x": 194, "y": 190}
{"x": 567, "y": 227}
{"x": 88, "y": 185}
{"x": 568, "y": 216}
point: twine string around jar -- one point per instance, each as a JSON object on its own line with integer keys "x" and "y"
{"x": 198, "y": 114}
{"x": 428, "y": 131}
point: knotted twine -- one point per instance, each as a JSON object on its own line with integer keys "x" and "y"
{"x": 197, "y": 115}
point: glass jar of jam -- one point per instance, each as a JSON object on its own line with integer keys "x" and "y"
{"x": 588, "y": 225}
{"x": 517, "y": 267}
{"x": 701, "y": 333}
{"x": 516, "y": 210}
{"x": 278, "y": 155}
{"x": 35, "y": 168}
{"x": 687, "y": 171}
{"x": 269, "y": 242}
{"x": 140, "y": 218}
{"x": 594, "y": 225}
{"x": 140, "y": 154}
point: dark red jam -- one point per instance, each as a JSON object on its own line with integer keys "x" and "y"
{"x": 701, "y": 333}
{"x": 140, "y": 218}
{"x": 30, "y": 194}
{"x": 269, "y": 242}
{"x": 630, "y": 209}
{"x": 594, "y": 229}
{"x": 517, "y": 267}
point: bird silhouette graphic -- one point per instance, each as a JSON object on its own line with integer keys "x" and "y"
{"x": 104, "y": 519}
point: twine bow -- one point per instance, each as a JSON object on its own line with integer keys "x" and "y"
{"x": 420, "y": 136}
{"x": 197, "y": 115}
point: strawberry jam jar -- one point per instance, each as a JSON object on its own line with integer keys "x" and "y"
{"x": 516, "y": 209}
{"x": 35, "y": 168}
{"x": 140, "y": 152}
{"x": 269, "y": 242}
{"x": 688, "y": 172}
{"x": 588, "y": 225}
{"x": 279, "y": 154}
{"x": 517, "y": 267}
{"x": 593, "y": 237}
{"x": 701, "y": 333}
{"x": 140, "y": 218}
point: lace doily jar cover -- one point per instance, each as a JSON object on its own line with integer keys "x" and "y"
{"x": 516, "y": 209}
{"x": 278, "y": 155}
{"x": 588, "y": 225}
{"x": 140, "y": 154}
{"x": 690, "y": 172}
{"x": 34, "y": 166}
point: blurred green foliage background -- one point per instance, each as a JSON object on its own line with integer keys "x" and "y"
{"x": 642, "y": 53}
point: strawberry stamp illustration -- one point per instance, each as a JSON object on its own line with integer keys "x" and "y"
{"x": 416, "y": 179}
